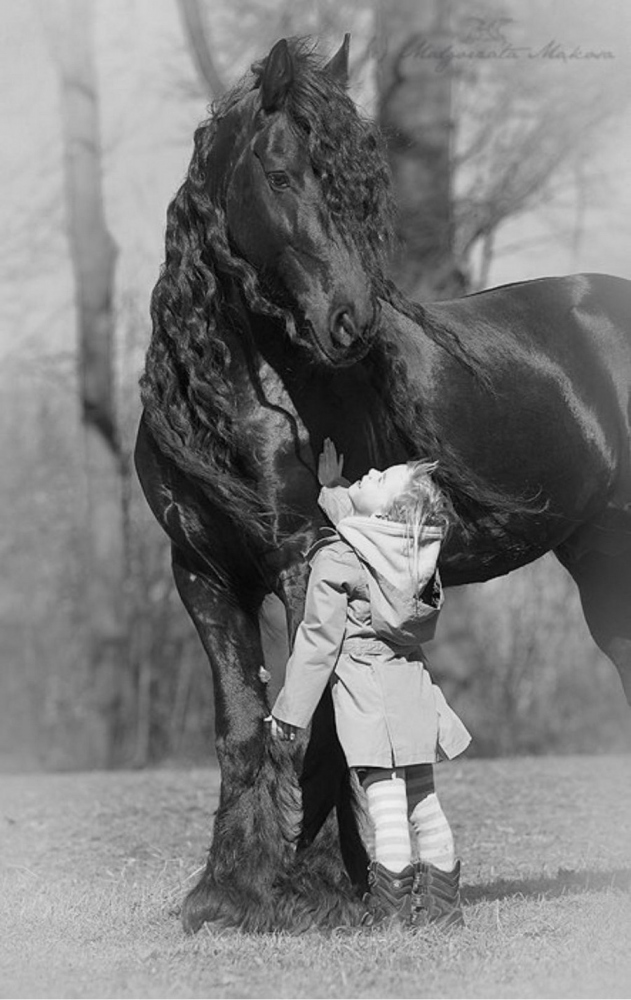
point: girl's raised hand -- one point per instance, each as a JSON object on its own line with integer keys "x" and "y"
{"x": 330, "y": 465}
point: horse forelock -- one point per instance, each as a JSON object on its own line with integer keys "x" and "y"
{"x": 348, "y": 156}
{"x": 346, "y": 151}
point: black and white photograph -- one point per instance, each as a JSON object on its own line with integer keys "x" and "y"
{"x": 315, "y": 439}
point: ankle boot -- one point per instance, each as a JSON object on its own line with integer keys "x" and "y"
{"x": 388, "y": 896}
{"x": 435, "y": 897}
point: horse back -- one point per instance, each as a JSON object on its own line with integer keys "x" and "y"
{"x": 551, "y": 407}
{"x": 568, "y": 335}
{"x": 547, "y": 313}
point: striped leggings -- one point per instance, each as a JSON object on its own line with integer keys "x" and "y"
{"x": 402, "y": 797}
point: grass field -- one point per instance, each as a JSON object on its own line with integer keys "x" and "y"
{"x": 94, "y": 866}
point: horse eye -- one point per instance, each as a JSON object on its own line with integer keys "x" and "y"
{"x": 278, "y": 179}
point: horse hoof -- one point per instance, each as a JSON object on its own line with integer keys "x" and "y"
{"x": 208, "y": 904}
{"x": 297, "y": 902}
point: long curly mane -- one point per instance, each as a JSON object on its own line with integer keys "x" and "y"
{"x": 348, "y": 156}
{"x": 186, "y": 390}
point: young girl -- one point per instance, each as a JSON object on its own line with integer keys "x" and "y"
{"x": 373, "y": 598}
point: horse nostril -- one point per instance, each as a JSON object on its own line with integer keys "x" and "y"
{"x": 342, "y": 328}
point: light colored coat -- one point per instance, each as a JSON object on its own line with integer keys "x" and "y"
{"x": 365, "y": 619}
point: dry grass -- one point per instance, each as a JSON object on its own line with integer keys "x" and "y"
{"x": 94, "y": 866}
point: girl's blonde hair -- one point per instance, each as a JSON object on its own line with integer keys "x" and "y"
{"x": 422, "y": 504}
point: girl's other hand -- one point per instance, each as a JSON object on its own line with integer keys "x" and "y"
{"x": 281, "y": 730}
{"x": 330, "y": 465}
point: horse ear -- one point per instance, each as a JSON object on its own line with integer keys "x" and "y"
{"x": 277, "y": 77}
{"x": 337, "y": 66}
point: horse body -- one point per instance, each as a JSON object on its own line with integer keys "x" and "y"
{"x": 552, "y": 420}
{"x": 273, "y": 329}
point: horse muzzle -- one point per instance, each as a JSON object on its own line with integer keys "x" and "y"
{"x": 344, "y": 328}
{"x": 350, "y": 335}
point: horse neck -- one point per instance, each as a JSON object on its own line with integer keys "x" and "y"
{"x": 403, "y": 335}
{"x": 343, "y": 404}
{"x": 424, "y": 368}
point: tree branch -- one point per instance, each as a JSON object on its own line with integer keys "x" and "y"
{"x": 197, "y": 39}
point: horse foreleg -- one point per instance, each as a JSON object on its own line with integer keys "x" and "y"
{"x": 259, "y": 809}
{"x": 326, "y": 784}
{"x": 325, "y": 778}
{"x": 604, "y": 582}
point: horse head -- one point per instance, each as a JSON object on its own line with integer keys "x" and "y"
{"x": 284, "y": 214}
{"x": 297, "y": 173}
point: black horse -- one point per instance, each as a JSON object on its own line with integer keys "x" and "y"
{"x": 273, "y": 328}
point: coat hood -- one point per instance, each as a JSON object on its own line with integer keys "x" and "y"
{"x": 404, "y": 604}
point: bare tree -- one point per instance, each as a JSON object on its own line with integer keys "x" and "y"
{"x": 415, "y": 114}
{"x": 194, "y": 22}
{"x": 528, "y": 127}
{"x": 69, "y": 25}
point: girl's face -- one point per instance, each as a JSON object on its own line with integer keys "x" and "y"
{"x": 375, "y": 492}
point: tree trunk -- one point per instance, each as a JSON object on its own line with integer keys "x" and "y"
{"x": 414, "y": 110}
{"x": 93, "y": 253}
